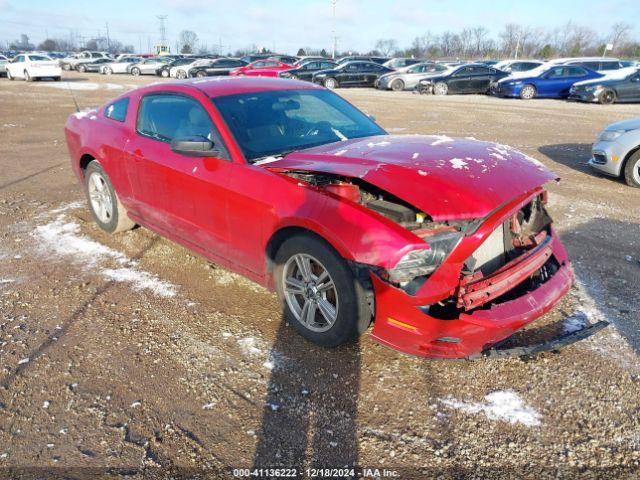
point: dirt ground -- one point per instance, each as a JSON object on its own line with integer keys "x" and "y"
{"x": 128, "y": 355}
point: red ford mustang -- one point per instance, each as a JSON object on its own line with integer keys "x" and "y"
{"x": 445, "y": 245}
{"x": 262, "y": 68}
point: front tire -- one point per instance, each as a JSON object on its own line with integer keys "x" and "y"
{"x": 528, "y": 92}
{"x": 164, "y": 73}
{"x": 27, "y": 77}
{"x": 322, "y": 298}
{"x": 106, "y": 208}
{"x": 201, "y": 74}
{"x": 440, "y": 88}
{"x": 135, "y": 72}
{"x": 181, "y": 74}
{"x": 331, "y": 83}
{"x": 397, "y": 85}
{"x": 107, "y": 71}
{"x": 81, "y": 68}
{"x": 9, "y": 76}
{"x": 607, "y": 97}
{"x": 632, "y": 170}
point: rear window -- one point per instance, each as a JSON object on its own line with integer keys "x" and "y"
{"x": 117, "y": 110}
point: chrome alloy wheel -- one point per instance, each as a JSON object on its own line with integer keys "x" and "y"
{"x": 310, "y": 292}
{"x": 100, "y": 197}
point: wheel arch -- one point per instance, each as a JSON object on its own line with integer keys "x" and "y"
{"x": 627, "y": 157}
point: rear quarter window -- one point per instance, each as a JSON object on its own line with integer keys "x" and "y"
{"x": 117, "y": 110}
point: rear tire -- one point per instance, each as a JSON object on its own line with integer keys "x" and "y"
{"x": 440, "y": 88}
{"x": 107, "y": 71}
{"x": 201, "y": 74}
{"x": 105, "y": 206}
{"x": 607, "y": 97}
{"x": 164, "y": 73}
{"x": 27, "y": 77}
{"x": 66, "y": 67}
{"x": 135, "y": 71}
{"x": 81, "y": 68}
{"x": 397, "y": 85}
{"x": 528, "y": 92}
{"x": 331, "y": 83}
{"x": 632, "y": 170}
{"x": 347, "y": 293}
{"x": 9, "y": 76}
{"x": 181, "y": 74}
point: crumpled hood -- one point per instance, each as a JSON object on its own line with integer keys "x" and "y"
{"x": 449, "y": 179}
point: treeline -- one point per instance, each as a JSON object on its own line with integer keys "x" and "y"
{"x": 101, "y": 44}
{"x": 569, "y": 40}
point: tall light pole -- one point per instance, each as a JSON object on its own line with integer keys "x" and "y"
{"x": 163, "y": 29}
{"x": 333, "y": 27}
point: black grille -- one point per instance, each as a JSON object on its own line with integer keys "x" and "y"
{"x": 599, "y": 158}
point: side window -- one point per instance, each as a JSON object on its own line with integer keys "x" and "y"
{"x": 352, "y": 68}
{"x": 609, "y": 66}
{"x": 556, "y": 72}
{"x": 462, "y": 72}
{"x": 165, "y": 117}
{"x": 19, "y": 59}
{"x": 575, "y": 72}
{"x": 117, "y": 110}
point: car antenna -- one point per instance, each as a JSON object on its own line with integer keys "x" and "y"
{"x": 73, "y": 97}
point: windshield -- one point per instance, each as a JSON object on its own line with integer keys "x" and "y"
{"x": 39, "y": 58}
{"x": 273, "y": 123}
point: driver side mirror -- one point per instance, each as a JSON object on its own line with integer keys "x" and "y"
{"x": 196, "y": 146}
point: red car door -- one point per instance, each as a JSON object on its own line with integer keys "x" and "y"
{"x": 180, "y": 195}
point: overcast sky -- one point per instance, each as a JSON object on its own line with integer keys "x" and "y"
{"x": 286, "y": 25}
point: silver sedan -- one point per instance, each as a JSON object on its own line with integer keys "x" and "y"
{"x": 617, "y": 151}
{"x": 121, "y": 66}
{"x": 407, "y": 78}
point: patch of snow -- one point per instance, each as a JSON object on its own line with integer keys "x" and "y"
{"x": 440, "y": 139}
{"x": 208, "y": 406}
{"x": 458, "y": 163}
{"x": 135, "y": 404}
{"x": 62, "y": 238}
{"x": 141, "y": 280}
{"x": 84, "y": 113}
{"x": 382, "y": 143}
{"x": 72, "y": 85}
{"x": 503, "y": 405}
{"x": 23, "y": 361}
{"x": 577, "y": 321}
{"x": 248, "y": 346}
{"x": 266, "y": 160}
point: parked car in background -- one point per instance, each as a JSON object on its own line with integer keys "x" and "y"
{"x": 165, "y": 70}
{"x": 288, "y": 59}
{"x": 181, "y": 70}
{"x": 407, "y": 78}
{"x": 470, "y": 78}
{"x": 363, "y": 58}
{"x": 489, "y": 63}
{"x": 3, "y": 65}
{"x": 121, "y": 66}
{"x": 255, "y": 56}
{"x": 305, "y": 70}
{"x": 513, "y": 66}
{"x": 623, "y": 86}
{"x": 70, "y": 62}
{"x": 32, "y": 67}
{"x": 219, "y": 66}
{"x": 401, "y": 62}
{"x": 148, "y": 66}
{"x": 548, "y": 81}
{"x": 93, "y": 66}
{"x": 262, "y": 68}
{"x": 616, "y": 152}
{"x": 596, "y": 64}
{"x": 351, "y": 74}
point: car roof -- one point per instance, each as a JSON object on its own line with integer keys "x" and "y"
{"x": 223, "y": 86}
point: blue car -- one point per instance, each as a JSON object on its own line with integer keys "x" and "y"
{"x": 545, "y": 82}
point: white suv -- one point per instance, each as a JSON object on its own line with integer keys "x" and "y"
{"x": 32, "y": 66}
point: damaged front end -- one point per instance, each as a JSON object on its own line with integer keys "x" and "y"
{"x": 462, "y": 283}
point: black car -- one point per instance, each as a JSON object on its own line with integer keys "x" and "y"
{"x": 305, "y": 70}
{"x": 219, "y": 66}
{"x": 608, "y": 90}
{"x": 93, "y": 66}
{"x": 165, "y": 69}
{"x": 351, "y": 74}
{"x": 470, "y": 78}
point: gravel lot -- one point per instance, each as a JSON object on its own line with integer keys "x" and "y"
{"x": 128, "y": 354}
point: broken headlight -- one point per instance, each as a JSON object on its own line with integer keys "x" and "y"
{"x": 422, "y": 262}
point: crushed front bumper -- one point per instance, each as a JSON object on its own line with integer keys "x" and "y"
{"x": 401, "y": 323}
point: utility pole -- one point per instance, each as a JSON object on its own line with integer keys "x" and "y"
{"x": 163, "y": 30}
{"x": 106, "y": 24}
{"x": 333, "y": 27}
{"x": 518, "y": 45}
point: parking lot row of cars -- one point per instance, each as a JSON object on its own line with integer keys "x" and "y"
{"x": 601, "y": 80}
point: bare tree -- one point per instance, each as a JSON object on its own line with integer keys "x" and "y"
{"x": 49, "y": 45}
{"x": 619, "y": 37}
{"x": 387, "y": 47}
{"x": 188, "y": 40}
